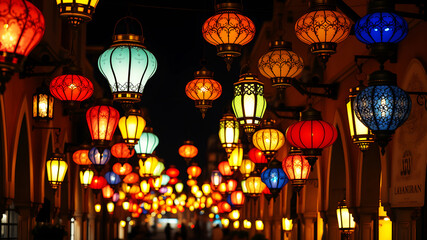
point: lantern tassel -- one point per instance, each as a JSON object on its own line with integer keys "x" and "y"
{"x": 203, "y": 111}
{"x": 228, "y": 61}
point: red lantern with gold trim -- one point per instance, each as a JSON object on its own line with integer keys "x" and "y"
{"x": 102, "y": 120}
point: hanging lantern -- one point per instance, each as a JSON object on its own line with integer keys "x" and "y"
{"x": 110, "y": 207}
{"x": 225, "y": 222}
{"x": 381, "y": 29}
{"x": 155, "y": 183}
{"x": 203, "y": 90}
{"x": 172, "y": 171}
{"x": 311, "y": 134}
{"x": 179, "y": 187}
{"x": 382, "y": 106}
{"x": 86, "y": 177}
{"x": 274, "y": 177}
{"x": 287, "y": 225}
{"x": 131, "y": 178}
{"x": 164, "y": 179}
{"x": 81, "y": 157}
{"x": 121, "y": 151}
{"x": 280, "y": 64}
{"x": 228, "y": 132}
{"x": 173, "y": 181}
{"x": 255, "y": 186}
{"x": 76, "y": 11}
{"x": 222, "y": 188}
{"x": 322, "y": 28}
{"x": 188, "y": 151}
{"x": 102, "y": 120}
{"x": 231, "y": 185}
{"x": 234, "y": 215}
{"x": 98, "y": 207}
{"x": 216, "y": 178}
{"x": 237, "y": 198}
{"x": 127, "y": 65}
{"x": 236, "y": 157}
{"x": 269, "y": 140}
{"x": 206, "y": 188}
{"x": 116, "y": 197}
{"x": 147, "y": 143}
{"x": 99, "y": 157}
{"x": 259, "y": 225}
{"x": 145, "y": 187}
{"x": 224, "y": 207}
{"x": 23, "y": 28}
{"x": 247, "y": 224}
{"x": 249, "y": 103}
{"x": 131, "y": 127}
{"x": 122, "y": 170}
{"x": 147, "y": 167}
{"x": 247, "y": 167}
{"x": 244, "y": 188}
{"x": 98, "y": 182}
{"x": 112, "y": 178}
{"x": 297, "y": 168}
{"x": 194, "y": 171}
{"x": 56, "y": 169}
{"x": 360, "y": 134}
{"x": 225, "y": 169}
{"x": 191, "y": 182}
{"x": 43, "y": 103}
{"x": 258, "y": 158}
{"x": 194, "y": 189}
{"x": 71, "y": 87}
{"x": 228, "y": 30}
{"x": 159, "y": 168}
{"x": 107, "y": 192}
{"x": 216, "y": 196}
{"x": 346, "y": 222}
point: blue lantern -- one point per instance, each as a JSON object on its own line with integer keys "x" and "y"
{"x": 99, "y": 157}
{"x": 274, "y": 177}
{"x": 147, "y": 143}
{"x": 382, "y": 106}
{"x": 112, "y": 178}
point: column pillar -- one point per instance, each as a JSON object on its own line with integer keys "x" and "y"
{"x": 405, "y": 223}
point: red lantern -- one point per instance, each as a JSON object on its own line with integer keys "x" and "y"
{"x": 216, "y": 196}
{"x": 297, "y": 168}
{"x": 231, "y": 185}
{"x": 172, "y": 172}
{"x": 121, "y": 151}
{"x": 194, "y": 171}
{"x": 237, "y": 198}
{"x": 188, "y": 151}
{"x": 107, "y": 192}
{"x": 138, "y": 196}
{"x": 173, "y": 181}
{"x": 225, "y": 169}
{"x": 311, "y": 134}
{"x": 22, "y": 28}
{"x": 98, "y": 182}
{"x": 122, "y": 170}
{"x": 191, "y": 182}
{"x": 71, "y": 87}
{"x": 102, "y": 121}
{"x": 131, "y": 178}
{"x": 224, "y": 207}
{"x": 256, "y": 156}
{"x": 81, "y": 157}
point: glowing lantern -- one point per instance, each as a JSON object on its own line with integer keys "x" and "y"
{"x": 77, "y": 11}
{"x": 179, "y": 187}
{"x": 247, "y": 167}
{"x": 102, "y": 121}
{"x": 86, "y": 177}
{"x": 206, "y": 188}
{"x": 116, "y": 197}
{"x": 131, "y": 126}
{"x": 225, "y": 222}
{"x": 236, "y": 224}
{"x": 98, "y": 182}
{"x": 188, "y": 151}
{"x": 203, "y": 90}
{"x": 228, "y": 132}
{"x": 127, "y": 65}
{"x": 194, "y": 189}
{"x": 311, "y": 134}
{"x": 258, "y": 158}
{"x": 287, "y": 225}
{"x": 155, "y": 183}
{"x": 274, "y": 177}
{"x": 249, "y": 103}
{"x": 191, "y": 182}
{"x": 131, "y": 178}
{"x": 194, "y": 171}
{"x": 125, "y": 205}
{"x": 345, "y": 218}
{"x": 231, "y": 185}
{"x": 71, "y": 88}
{"x": 280, "y": 64}
{"x": 159, "y": 168}
{"x": 122, "y": 170}
{"x": 107, "y": 192}
{"x": 173, "y": 181}
{"x": 147, "y": 143}
{"x": 237, "y": 198}
{"x": 99, "y": 157}
{"x": 255, "y": 186}
{"x": 322, "y": 28}
{"x": 146, "y": 168}
{"x": 234, "y": 215}
{"x": 225, "y": 169}
{"x": 98, "y": 207}
{"x": 297, "y": 168}
{"x": 244, "y": 188}
{"x": 145, "y": 187}
{"x": 121, "y": 151}
{"x": 269, "y": 140}
{"x": 224, "y": 207}
{"x": 110, "y": 207}
{"x": 216, "y": 178}
{"x": 164, "y": 179}
{"x": 56, "y": 169}
{"x": 81, "y": 157}
{"x": 247, "y": 224}
{"x": 112, "y": 178}
{"x": 216, "y": 196}
{"x": 43, "y": 103}
{"x": 236, "y": 157}
{"x": 172, "y": 172}
{"x": 228, "y": 30}
{"x": 259, "y": 225}
{"x": 23, "y": 28}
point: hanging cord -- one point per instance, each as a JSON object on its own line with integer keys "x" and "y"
{"x": 56, "y": 144}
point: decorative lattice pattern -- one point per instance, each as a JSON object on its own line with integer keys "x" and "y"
{"x": 280, "y": 63}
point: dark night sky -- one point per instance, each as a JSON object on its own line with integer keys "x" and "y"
{"x": 172, "y": 32}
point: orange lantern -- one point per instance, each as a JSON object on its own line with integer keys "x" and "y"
{"x": 188, "y": 151}
{"x": 107, "y": 192}
{"x": 224, "y": 207}
{"x": 121, "y": 151}
{"x": 173, "y": 181}
{"x": 131, "y": 178}
{"x": 216, "y": 196}
{"x": 237, "y": 198}
{"x": 172, "y": 172}
{"x": 102, "y": 120}
{"x": 225, "y": 169}
{"x": 231, "y": 185}
{"x": 222, "y": 188}
{"x": 122, "y": 170}
{"x": 203, "y": 90}
{"x": 191, "y": 182}
{"x": 194, "y": 171}
{"x": 81, "y": 157}
{"x": 297, "y": 168}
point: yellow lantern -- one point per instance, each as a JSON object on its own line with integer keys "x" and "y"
{"x": 147, "y": 167}
{"x": 209, "y": 202}
{"x": 154, "y": 206}
{"x": 56, "y": 169}
{"x": 122, "y": 223}
{"x": 247, "y": 224}
{"x": 157, "y": 183}
{"x": 169, "y": 201}
{"x": 247, "y": 167}
{"x": 214, "y": 209}
{"x": 269, "y": 140}
{"x": 131, "y": 126}
{"x": 194, "y": 189}
{"x": 234, "y": 215}
{"x": 145, "y": 187}
{"x": 86, "y": 177}
{"x": 206, "y": 188}
{"x": 287, "y": 225}
{"x": 110, "y": 207}
{"x": 198, "y": 194}
{"x": 191, "y": 208}
{"x": 244, "y": 188}
{"x": 125, "y": 205}
{"x": 148, "y": 206}
{"x": 236, "y": 157}
{"x": 183, "y": 197}
{"x": 225, "y": 222}
{"x": 43, "y": 103}
{"x": 179, "y": 187}
{"x": 254, "y": 186}
{"x": 228, "y": 132}
{"x": 159, "y": 168}
{"x": 169, "y": 191}
{"x": 236, "y": 224}
{"x": 211, "y": 215}
{"x": 259, "y": 225}
{"x": 191, "y": 182}
{"x": 122, "y": 195}
{"x": 346, "y": 222}
{"x": 76, "y": 11}
{"x": 98, "y": 207}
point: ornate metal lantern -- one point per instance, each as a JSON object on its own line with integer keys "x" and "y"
{"x": 297, "y": 168}
{"x": 102, "y": 120}
{"x": 268, "y": 139}
{"x": 228, "y": 132}
{"x": 86, "y": 176}
{"x": 203, "y": 90}
{"x": 247, "y": 167}
{"x": 346, "y": 222}
{"x": 77, "y": 11}
{"x": 22, "y": 29}
{"x": 131, "y": 126}
{"x": 127, "y": 65}
{"x": 188, "y": 151}
{"x": 255, "y": 186}
{"x": 43, "y": 103}
{"x": 280, "y": 64}
{"x": 56, "y": 169}
{"x": 274, "y": 177}
{"x": 228, "y": 30}
{"x": 71, "y": 87}
{"x": 382, "y": 106}
{"x": 236, "y": 157}
{"x": 147, "y": 143}
{"x": 249, "y": 103}
{"x": 322, "y": 28}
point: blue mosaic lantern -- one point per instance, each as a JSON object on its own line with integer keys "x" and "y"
{"x": 112, "y": 178}
{"x": 274, "y": 177}
{"x": 382, "y": 106}
{"x": 99, "y": 157}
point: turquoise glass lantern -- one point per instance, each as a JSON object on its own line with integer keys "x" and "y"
{"x": 127, "y": 65}
{"x": 164, "y": 179}
{"x": 147, "y": 143}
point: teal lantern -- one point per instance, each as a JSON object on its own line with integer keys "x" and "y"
{"x": 127, "y": 65}
{"x": 147, "y": 143}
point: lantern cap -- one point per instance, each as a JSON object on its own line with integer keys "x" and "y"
{"x": 128, "y": 38}
{"x": 294, "y": 151}
{"x": 310, "y": 114}
{"x": 268, "y": 123}
{"x": 228, "y": 6}
{"x": 203, "y": 73}
{"x": 356, "y": 90}
{"x": 57, "y": 155}
{"x": 281, "y": 44}
{"x": 382, "y": 77}
{"x": 43, "y": 89}
{"x": 134, "y": 112}
{"x": 148, "y": 129}
{"x": 248, "y": 77}
{"x": 188, "y": 142}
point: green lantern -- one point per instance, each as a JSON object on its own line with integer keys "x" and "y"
{"x": 249, "y": 103}
{"x": 228, "y": 132}
{"x": 147, "y": 143}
